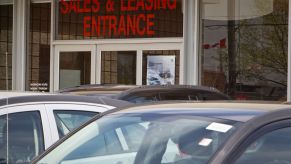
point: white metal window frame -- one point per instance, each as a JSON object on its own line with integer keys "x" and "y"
{"x": 96, "y": 48}
{"x": 71, "y": 48}
{"x": 289, "y": 56}
{"x": 191, "y": 38}
{"x": 6, "y": 2}
{"x": 139, "y": 48}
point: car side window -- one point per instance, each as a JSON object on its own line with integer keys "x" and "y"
{"x": 133, "y": 135}
{"x": 25, "y": 136}
{"x": 273, "y": 147}
{"x": 211, "y": 96}
{"x": 174, "y": 96}
{"x": 68, "y": 120}
{"x": 144, "y": 97}
{"x": 94, "y": 147}
{"x": 103, "y": 144}
{"x": 3, "y": 139}
{"x": 112, "y": 143}
{"x": 122, "y": 140}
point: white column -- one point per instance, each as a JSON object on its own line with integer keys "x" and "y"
{"x": 289, "y": 56}
{"x": 53, "y": 17}
{"x": 20, "y": 18}
{"x": 139, "y": 68}
{"x": 191, "y": 42}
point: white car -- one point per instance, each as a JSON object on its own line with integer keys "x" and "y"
{"x": 30, "y": 124}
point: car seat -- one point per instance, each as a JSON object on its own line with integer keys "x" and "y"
{"x": 188, "y": 145}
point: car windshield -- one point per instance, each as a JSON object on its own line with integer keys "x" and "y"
{"x": 144, "y": 138}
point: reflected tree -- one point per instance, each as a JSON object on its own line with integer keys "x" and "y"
{"x": 263, "y": 46}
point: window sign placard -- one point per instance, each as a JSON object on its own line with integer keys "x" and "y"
{"x": 69, "y": 78}
{"x": 160, "y": 70}
{"x": 119, "y": 18}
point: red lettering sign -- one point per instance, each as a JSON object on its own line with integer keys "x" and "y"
{"x": 96, "y": 24}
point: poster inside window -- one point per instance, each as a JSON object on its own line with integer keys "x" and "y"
{"x": 161, "y": 70}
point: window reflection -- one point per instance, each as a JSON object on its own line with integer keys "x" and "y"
{"x": 6, "y": 19}
{"x": 38, "y": 55}
{"x": 118, "y": 67}
{"x": 246, "y": 57}
{"x": 75, "y": 69}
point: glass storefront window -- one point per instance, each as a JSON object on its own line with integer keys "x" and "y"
{"x": 161, "y": 67}
{"x": 38, "y": 56}
{"x": 6, "y": 21}
{"x": 118, "y": 67}
{"x": 244, "y": 47}
{"x": 98, "y": 19}
{"x": 75, "y": 69}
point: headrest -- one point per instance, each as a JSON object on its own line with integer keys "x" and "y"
{"x": 189, "y": 142}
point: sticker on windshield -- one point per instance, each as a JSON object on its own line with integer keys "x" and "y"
{"x": 205, "y": 142}
{"x": 219, "y": 127}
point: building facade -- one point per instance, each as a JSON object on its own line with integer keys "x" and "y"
{"x": 237, "y": 46}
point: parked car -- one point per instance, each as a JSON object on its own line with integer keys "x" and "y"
{"x": 180, "y": 133}
{"x": 170, "y": 92}
{"x": 31, "y": 122}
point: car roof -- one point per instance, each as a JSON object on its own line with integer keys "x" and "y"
{"x": 231, "y": 110}
{"x": 7, "y": 94}
{"x": 8, "y": 98}
{"x": 151, "y": 88}
{"x": 96, "y": 89}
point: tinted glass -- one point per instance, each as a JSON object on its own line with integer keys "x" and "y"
{"x": 118, "y": 67}
{"x": 3, "y": 139}
{"x": 105, "y": 144}
{"x": 273, "y": 147}
{"x": 211, "y": 96}
{"x": 166, "y": 135}
{"x": 244, "y": 47}
{"x": 93, "y": 147}
{"x": 75, "y": 69}
{"x": 69, "y": 120}
{"x": 112, "y": 143}
{"x": 175, "y": 96}
{"x": 133, "y": 135}
{"x": 142, "y": 97}
{"x": 25, "y": 137}
{"x": 6, "y": 28}
{"x": 38, "y": 49}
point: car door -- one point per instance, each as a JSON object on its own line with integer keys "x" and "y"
{"x": 24, "y": 132}
{"x": 246, "y": 138}
{"x": 270, "y": 144}
{"x": 65, "y": 117}
{"x": 266, "y": 139}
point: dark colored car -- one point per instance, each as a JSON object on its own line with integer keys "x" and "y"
{"x": 170, "y": 92}
{"x": 96, "y": 89}
{"x": 180, "y": 133}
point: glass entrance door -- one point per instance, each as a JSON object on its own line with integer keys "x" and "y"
{"x": 75, "y": 66}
